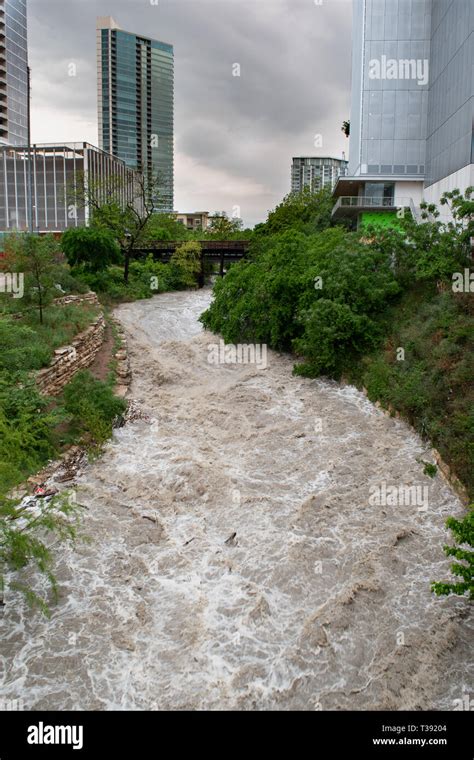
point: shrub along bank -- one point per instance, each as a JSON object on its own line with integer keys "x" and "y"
{"x": 390, "y": 309}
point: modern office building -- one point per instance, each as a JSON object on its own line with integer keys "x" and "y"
{"x": 412, "y": 106}
{"x": 54, "y": 174}
{"x": 136, "y": 103}
{"x": 13, "y": 73}
{"x": 316, "y": 172}
{"x": 450, "y": 128}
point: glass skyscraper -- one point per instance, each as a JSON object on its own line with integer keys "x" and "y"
{"x": 13, "y": 73}
{"x": 136, "y": 103}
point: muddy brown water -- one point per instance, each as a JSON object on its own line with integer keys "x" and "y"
{"x": 321, "y": 600}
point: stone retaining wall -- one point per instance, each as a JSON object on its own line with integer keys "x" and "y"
{"x": 70, "y": 359}
{"x": 90, "y": 297}
{"x": 123, "y": 370}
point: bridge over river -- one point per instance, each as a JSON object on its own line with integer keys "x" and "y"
{"x": 220, "y": 251}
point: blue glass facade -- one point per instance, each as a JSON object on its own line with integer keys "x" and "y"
{"x": 13, "y": 73}
{"x": 136, "y": 105}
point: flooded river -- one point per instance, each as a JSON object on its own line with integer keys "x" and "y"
{"x": 236, "y": 558}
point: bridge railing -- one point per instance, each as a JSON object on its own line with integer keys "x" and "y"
{"x": 210, "y": 245}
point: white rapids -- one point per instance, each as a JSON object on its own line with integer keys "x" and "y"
{"x": 319, "y": 601}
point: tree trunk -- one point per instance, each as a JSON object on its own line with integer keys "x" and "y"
{"x": 40, "y": 304}
{"x": 202, "y": 275}
{"x": 126, "y": 270}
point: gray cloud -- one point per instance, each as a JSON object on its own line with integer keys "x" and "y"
{"x": 235, "y": 136}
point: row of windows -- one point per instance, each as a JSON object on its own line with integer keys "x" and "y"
{"x": 16, "y": 42}
{"x": 16, "y": 11}
{"x": 17, "y": 27}
{"x": 19, "y": 65}
{"x": 395, "y": 169}
{"x": 19, "y": 50}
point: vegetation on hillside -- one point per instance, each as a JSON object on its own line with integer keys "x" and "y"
{"x": 31, "y": 426}
{"x": 389, "y": 309}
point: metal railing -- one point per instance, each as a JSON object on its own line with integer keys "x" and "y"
{"x": 416, "y": 212}
{"x": 354, "y": 201}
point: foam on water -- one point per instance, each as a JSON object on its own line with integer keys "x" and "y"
{"x": 303, "y": 608}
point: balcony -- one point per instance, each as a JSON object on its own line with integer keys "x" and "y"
{"x": 353, "y": 205}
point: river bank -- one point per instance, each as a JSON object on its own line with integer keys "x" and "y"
{"x": 320, "y": 599}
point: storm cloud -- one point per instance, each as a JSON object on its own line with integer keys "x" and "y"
{"x": 235, "y": 135}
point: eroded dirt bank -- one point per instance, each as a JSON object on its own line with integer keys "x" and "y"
{"x": 321, "y": 600}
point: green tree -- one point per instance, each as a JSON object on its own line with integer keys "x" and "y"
{"x": 462, "y": 211}
{"x": 38, "y": 259}
{"x": 125, "y": 208}
{"x": 222, "y": 227}
{"x": 92, "y": 248}
{"x": 188, "y": 260}
{"x": 462, "y": 551}
{"x": 165, "y": 227}
{"x": 22, "y": 543}
{"x": 432, "y": 249}
{"x": 305, "y": 211}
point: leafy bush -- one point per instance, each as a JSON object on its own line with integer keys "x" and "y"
{"x": 305, "y": 211}
{"x": 317, "y": 294}
{"x": 20, "y": 349}
{"x": 187, "y": 259}
{"x": 22, "y": 533}
{"x": 26, "y": 432}
{"x": 92, "y": 248}
{"x": 463, "y": 532}
{"x": 333, "y": 334}
{"x": 92, "y": 406}
{"x": 345, "y": 303}
{"x": 146, "y": 279}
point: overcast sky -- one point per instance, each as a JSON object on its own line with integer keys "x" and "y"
{"x": 234, "y": 136}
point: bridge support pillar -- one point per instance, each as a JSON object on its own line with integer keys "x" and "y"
{"x": 222, "y": 264}
{"x": 202, "y": 276}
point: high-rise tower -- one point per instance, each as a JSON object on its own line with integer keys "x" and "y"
{"x": 13, "y": 73}
{"x": 136, "y": 103}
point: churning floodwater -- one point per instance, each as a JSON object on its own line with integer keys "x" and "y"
{"x": 235, "y": 559}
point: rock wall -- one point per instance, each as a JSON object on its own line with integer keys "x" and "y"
{"x": 70, "y": 359}
{"x": 123, "y": 369}
{"x": 90, "y": 297}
